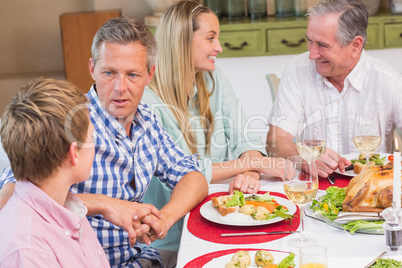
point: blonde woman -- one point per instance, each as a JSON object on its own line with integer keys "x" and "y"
{"x": 196, "y": 104}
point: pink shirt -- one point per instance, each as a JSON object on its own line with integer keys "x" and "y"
{"x": 35, "y": 231}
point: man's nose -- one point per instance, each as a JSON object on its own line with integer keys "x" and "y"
{"x": 314, "y": 53}
{"x": 120, "y": 83}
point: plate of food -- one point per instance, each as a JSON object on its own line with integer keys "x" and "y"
{"x": 359, "y": 161}
{"x": 248, "y": 210}
{"x": 253, "y": 258}
{"x": 326, "y": 208}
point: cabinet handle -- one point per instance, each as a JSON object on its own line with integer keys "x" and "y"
{"x": 289, "y": 44}
{"x": 229, "y": 46}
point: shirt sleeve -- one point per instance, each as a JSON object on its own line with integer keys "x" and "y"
{"x": 30, "y": 258}
{"x": 173, "y": 163}
{"x": 7, "y": 176}
{"x": 288, "y": 106}
{"x": 240, "y": 135}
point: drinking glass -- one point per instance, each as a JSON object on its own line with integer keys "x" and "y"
{"x": 311, "y": 137}
{"x": 313, "y": 257}
{"x": 301, "y": 186}
{"x": 367, "y": 133}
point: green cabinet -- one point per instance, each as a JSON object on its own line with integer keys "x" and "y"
{"x": 278, "y": 36}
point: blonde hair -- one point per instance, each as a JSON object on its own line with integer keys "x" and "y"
{"x": 39, "y": 125}
{"x": 173, "y": 80}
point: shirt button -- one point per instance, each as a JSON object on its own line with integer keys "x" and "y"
{"x": 67, "y": 232}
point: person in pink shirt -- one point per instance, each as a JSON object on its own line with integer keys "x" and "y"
{"x": 47, "y": 135}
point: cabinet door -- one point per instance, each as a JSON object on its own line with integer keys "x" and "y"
{"x": 77, "y": 31}
{"x": 373, "y": 36}
{"x": 393, "y": 35}
{"x": 240, "y": 43}
{"x": 286, "y": 41}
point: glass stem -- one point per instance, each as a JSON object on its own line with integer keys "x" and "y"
{"x": 367, "y": 161}
{"x": 302, "y": 220}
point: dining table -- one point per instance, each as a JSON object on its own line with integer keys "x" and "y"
{"x": 202, "y": 243}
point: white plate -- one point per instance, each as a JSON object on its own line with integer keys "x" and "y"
{"x": 239, "y": 219}
{"x": 349, "y": 157}
{"x": 225, "y": 259}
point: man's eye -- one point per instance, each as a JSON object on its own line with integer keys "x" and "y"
{"x": 132, "y": 75}
{"x": 108, "y": 73}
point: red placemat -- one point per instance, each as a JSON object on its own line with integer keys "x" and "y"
{"x": 340, "y": 180}
{"x": 210, "y": 231}
{"x": 204, "y": 259}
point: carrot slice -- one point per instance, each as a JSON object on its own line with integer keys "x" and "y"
{"x": 268, "y": 206}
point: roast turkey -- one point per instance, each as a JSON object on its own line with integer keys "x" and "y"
{"x": 371, "y": 190}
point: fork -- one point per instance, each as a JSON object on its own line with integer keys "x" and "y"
{"x": 331, "y": 179}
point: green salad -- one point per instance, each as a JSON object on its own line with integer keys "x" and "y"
{"x": 330, "y": 204}
{"x": 386, "y": 263}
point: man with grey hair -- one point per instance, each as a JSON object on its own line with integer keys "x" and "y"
{"x": 333, "y": 81}
{"x": 130, "y": 147}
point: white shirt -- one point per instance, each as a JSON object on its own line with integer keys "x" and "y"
{"x": 372, "y": 84}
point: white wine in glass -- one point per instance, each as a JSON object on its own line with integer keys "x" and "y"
{"x": 367, "y": 133}
{"x": 311, "y": 138}
{"x": 300, "y": 186}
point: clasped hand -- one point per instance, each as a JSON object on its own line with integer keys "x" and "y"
{"x": 143, "y": 222}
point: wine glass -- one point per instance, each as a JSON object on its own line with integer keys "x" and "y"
{"x": 311, "y": 137}
{"x": 367, "y": 133}
{"x": 301, "y": 186}
{"x": 313, "y": 257}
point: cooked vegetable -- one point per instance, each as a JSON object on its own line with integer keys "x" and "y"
{"x": 263, "y": 258}
{"x": 372, "y": 158}
{"x": 281, "y": 212}
{"x": 330, "y": 204}
{"x": 266, "y": 198}
{"x": 386, "y": 263}
{"x": 287, "y": 262}
{"x": 237, "y": 200}
{"x": 356, "y": 225}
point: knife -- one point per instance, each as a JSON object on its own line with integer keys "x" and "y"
{"x": 345, "y": 217}
{"x": 371, "y": 263}
{"x": 259, "y": 233}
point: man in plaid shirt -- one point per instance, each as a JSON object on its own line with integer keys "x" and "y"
{"x": 130, "y": 147}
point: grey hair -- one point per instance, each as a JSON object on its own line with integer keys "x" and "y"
{"x": 352, "y": 22}
{"x": 124, "y": 30}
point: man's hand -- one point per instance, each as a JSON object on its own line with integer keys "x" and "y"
{"x": 330, "y": 161}
{"x": 136, "y": 218}
{"x": 272, "y": 166}
{"x": 247, "y": 183}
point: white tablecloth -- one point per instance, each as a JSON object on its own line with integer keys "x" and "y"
{"x": 343, "y": 249}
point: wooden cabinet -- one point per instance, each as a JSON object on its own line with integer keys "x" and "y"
{"x": 275, "y": 36}
{"x": 78, "y": 30}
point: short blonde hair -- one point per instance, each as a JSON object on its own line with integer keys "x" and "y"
{"x": 39, "y": 125}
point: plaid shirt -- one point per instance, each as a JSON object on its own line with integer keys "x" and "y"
{"x": 118, "y": 160}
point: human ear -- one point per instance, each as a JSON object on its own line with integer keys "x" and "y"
{"x": 91, "y": 68}
{"x": 72, "y": 154}
{"x": 357, "y": 45}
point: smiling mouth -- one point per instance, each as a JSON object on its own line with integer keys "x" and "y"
{"x": 212, "y": 57}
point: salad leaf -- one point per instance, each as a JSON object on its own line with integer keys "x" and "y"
{"x": 330, "y": 204}
{"x": 386, "y": 263}
{"x": 355, "y": 225}
{"x": 281, "y": 212}
{"x": 288, "y": 261}
{"x": 266, "y": 198}
{"x": 237, "y": 200}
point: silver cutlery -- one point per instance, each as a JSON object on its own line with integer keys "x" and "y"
{"x": 345, "y": 217}
{"x": 331, "y": 179}
{"x": 258, "y": 233}
{"x": 371, "y": 263}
